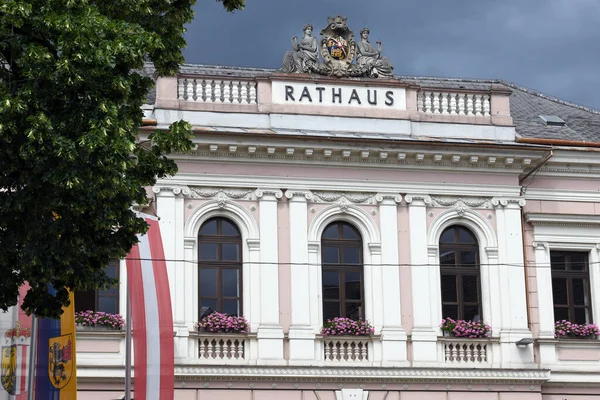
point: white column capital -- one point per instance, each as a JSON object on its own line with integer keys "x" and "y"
{"x": 299, "y": 195}
{"x": 170, "y": 190}
{"x": 508, "y": 202}
{"x": 388, "y": 198}
{"x": 418, "y": 200}
{"x": 268, "y": 194}
{"x": 541, "y": 246}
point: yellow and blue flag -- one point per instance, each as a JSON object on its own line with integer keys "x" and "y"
{"x": 56, "y": 367}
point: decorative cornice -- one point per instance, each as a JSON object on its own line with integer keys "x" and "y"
{"x": 298, "y": 194}
{"x": 264, "y": 194}
{"x": 581, "y": 220}
{"x": 341, "y": 374}
{"x": 330, "y": 197}
{"x": 447, "y": 201}
{"x": 388, "y": 197}
{"x": 507, "y": 202}
{"x": 418, "y": 199}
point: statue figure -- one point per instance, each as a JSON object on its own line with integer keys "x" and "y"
{"x": 304, "y": 54}
{"x": 369, "y": 58}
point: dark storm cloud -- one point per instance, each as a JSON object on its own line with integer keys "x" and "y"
{"x": 552, "y": 46}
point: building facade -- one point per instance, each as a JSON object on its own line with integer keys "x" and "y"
{"x": 398, "y": 200}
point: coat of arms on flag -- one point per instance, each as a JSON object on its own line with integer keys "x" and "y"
{"x": 15, "y": 356}
{"x": 60, "y": 365}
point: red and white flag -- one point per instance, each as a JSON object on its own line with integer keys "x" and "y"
{"x": 15, "y": 346}
{"x": 152, "y": 318}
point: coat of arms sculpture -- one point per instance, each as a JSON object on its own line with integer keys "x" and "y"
{"x": 338, "y": 50}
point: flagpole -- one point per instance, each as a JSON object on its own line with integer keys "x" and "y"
{"x": 128, "y": 349}
{"x": 32, "y": 354}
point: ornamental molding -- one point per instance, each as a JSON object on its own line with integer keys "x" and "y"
{"x": 341, "y": 374}
{"x": 471, "y": 202}
{"x": 331, "y": 197}
{"x": 573, "y": 220}
{"x": 221, "y": 195}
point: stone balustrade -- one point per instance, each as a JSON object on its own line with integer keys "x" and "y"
{"x": 216, "y": 91}
{"x": 466, "y": 351}
{"x": 346, "y": 349}
{"x": 222, "y": 347}
{"x": 449, "y": 103}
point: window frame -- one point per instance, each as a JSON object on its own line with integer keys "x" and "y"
{"x": 459, "y": 271}
{"x": 569, "y": 275}
{"x": 96, "y": 293}
{"x": 341, "y": 269}
{"x": 219, "y": 264}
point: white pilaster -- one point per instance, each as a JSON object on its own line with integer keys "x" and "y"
{"x": 301, "y": 334}
{"x": 393, "y": 335}
{"x": 424, "y": 332}
{"x": 170, "y": 210}
{"x": 512, "y": 282}
{"x": 545, "y": 302}
{"x": 270, "y": 333}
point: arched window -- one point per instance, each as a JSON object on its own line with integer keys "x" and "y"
{"x": 460, "y": 276}
{"x": 220, "y": 268}
{"x": 342, "y": 259}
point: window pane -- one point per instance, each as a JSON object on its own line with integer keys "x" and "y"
{"x": 230, "y": 282}
{"x": 449, "y": 288}
{"x": 557, "y": 260}
{"x": 447, "y": 236}
{"x": 349, "y": 232}
{"x": 351, "y": 255}
{"x": 85, "y": 300}
{"x": 470, "y": 288}
{"x": 353, "y": 311}
{"x": 110, "y": 291}
{"x": 561, "y": 313}
{"x": 471, "y": 313}
{"x": 111, "y": 270}
{"x": 448, "y": 259}
{"x": 468, "y": 259}
{"x": 579, "y": 292}
{"x": 450, "y": 311}
{"x": 353, "y": 285}
{"x": 578, "y": 261}
{"x": 207, "y": 307}
{"x": 208, "y": 282}
{"x": 227, "y": 228}
{"x": 209, "y": 228}
{"x": 331, "y": 255}
{"x": 230, "y": 252}
{"x": 559, "y": 291}
{"x": 208, "y": 251}
{"x": 331, "y": 232}
{"x": 231, "y": 307}
{"x": 331, "y": 309}
{"x": 581, "y": 316}
{"x": 464, "y": 236}
{"x": 107, "y": 304}
{"x": 331, "y": 285}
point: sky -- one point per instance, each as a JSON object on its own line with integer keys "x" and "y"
{"x": 551, "y": 46}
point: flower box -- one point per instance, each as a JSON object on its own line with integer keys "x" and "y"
{"x": 567, "y": 330}
{"x": 98, "y": 320}
{"x": 347, "y": 327}
{"x": 465, "y": 329}
{"x": 222, "y": 323}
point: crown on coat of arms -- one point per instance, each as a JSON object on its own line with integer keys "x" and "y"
{"x": 18, "y": 332}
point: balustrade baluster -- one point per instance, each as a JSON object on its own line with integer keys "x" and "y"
{"x": 436, "y": 102}
{"x": 202, "y": 349}
{"x": 444, "y": 109}
{"x": 486, "y": 105}
{"x": 478, "y": 105}
{"x": 427, "y": 101}
{"x": 469, "y": 104}
{"x": 461, "y": 104}
{"x": 452, "y": 104}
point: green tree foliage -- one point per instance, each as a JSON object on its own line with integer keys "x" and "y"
{"x": 71, "y": 161}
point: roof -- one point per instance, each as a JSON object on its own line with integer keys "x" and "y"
{"x": 526, "y": 106}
